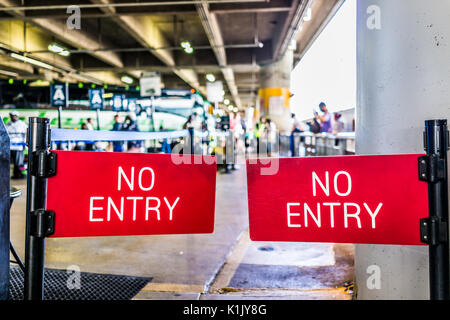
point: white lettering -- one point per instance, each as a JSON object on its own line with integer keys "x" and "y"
{"x": 352, "y": 215}
{"x": 171, "y": 207}
{"x": 92, "y": 208}
{"x": 349, "y": 185}
{"x": 307, "y": 209}
{"x": 373, "y": 214}
{"x": 128, "y": 181}
{"x": 331, "y": 205}
{"x": 326, "y": 189}
{"x": 148, "y": 208}
{"x": 290, "y": 214}
{"x": 140, "y": 178}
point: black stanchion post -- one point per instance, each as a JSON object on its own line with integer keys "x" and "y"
{"x": 4, "y": 211}
{"x": 191, "y": 140}
{"x": 98, "y": 119}
{"x": 39, "y": 222}
{"x": 434, "y": 229}
{"x": 59, "y": 117}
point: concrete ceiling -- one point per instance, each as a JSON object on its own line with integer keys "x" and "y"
{"x": 231, "y": 39}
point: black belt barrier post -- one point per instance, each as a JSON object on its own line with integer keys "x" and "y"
{"x": 39, "y": 222}
{"x": 4, "y": 211}
{"x": 191, "y": 140}
{"x": 434, "y": 229}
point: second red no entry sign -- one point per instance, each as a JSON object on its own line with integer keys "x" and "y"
{"x": 351, "y": 199}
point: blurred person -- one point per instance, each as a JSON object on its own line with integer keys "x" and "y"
{"x": 17, "y": 130}
{"x": 236, "y": 129}
{"x": 270, "y": 134}
{"x": 325, "y": 118}
{"x": 296, "y": 128}
{"x": 189, "y": 123}
{"x": 117, "y": 126}
{"x": 338, "y": 124}
{"x": 258, "y": 132}
{"x": 165, "y": 145}
{"x": 89, "y": 124}
{"x": 130, "y": 124}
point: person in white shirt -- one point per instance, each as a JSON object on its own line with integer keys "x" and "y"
{"x": 89, "y": 124}
{"x": 17, "y": 130}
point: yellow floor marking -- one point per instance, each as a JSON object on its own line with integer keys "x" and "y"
{"x": 234, "y": 260}
{"x": 173, "y": 287}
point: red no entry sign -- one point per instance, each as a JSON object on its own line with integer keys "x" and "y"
{"x": 107, "y": 194}
{"x": 351, "y": 199}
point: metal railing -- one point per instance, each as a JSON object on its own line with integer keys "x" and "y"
{"x": 307, "y": 144}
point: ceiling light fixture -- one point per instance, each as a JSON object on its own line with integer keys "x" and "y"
{"x": 31, "y": 61}
{"x": 126, "y": 79}
{"x": 56, "y": 48}
{"x": 210, "y": 77}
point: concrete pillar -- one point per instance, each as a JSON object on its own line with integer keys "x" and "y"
{"x": 274, "y": 92}
{"x": 403, "y": 78}
{"x": 4, "y": 212}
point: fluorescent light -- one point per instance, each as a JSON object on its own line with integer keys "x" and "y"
{"x": 187, "y": 46}
{"x": 31, "y": 61}
{"x": 226, "y": 102}
{"x": 39, "y": 83}
{"x": 56, "y": 48}
{"x": 210, "y": 77}
{"x": 9, "y": 73}
{"x": 235, "y": 109}
{"x": 126, "y": 79}
{"x": 230, "y": 108}
{"x": 64, "y": 53}
{"x": 308, "y": 15}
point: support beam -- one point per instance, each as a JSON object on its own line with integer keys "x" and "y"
{"x": 212, "y": 30}
{"x": 148, "y": 34}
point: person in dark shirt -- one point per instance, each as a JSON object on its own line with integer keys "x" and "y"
{"x": 130, "y": 124}
{"x": 117, "y": 126}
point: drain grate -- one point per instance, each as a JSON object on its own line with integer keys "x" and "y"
{"x": 93, "y": 286}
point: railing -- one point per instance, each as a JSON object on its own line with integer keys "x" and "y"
{"x": 308, "y": 144}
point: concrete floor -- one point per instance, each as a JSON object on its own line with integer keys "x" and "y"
{"x": 222, "y": 265}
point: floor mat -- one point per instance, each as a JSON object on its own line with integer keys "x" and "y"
{"x": 92, "y": 286}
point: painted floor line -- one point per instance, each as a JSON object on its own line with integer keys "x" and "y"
{"x": 232, "y": 263}
{"x": 173, "y": 287}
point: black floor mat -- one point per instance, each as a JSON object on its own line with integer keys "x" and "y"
{"x": 93, "y": 286}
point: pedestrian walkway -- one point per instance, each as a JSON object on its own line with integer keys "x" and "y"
{"x": 222, "y": 265}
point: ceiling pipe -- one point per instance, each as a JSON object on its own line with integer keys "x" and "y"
{"x": 125, "y": 5}
{"x": 75, "y": 51}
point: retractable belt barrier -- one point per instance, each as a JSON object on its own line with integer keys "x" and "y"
{"x": 373, "y": 199}
{"x": 121, "y": 193}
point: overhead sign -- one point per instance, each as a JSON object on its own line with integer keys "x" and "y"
{"x": 214, "y": 91}
{"x": 117, "y": 102}
{"x": 59, "y": 95}
{"x": 150, "y": 84}
{"x": 96, "y": 98}
{"x": 131, "y": 105}
{"x": 351, "y": 199}
{"x": 111, "y": 194}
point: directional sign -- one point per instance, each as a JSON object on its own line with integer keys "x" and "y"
{"x": 59, "y": 95}
{"x": 117, "y": 102}
{"x": 96, "y": 98}
{"x": 349, "y": 199}
{"x": 108, "y": 194}
{"x": 150, "y": 84}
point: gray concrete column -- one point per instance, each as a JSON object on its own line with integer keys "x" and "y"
{"x": 403, "y": 78}
{"x": 274, "y": 93}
